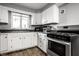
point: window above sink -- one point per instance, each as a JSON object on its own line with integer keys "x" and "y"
{"x": 20, "y": 21}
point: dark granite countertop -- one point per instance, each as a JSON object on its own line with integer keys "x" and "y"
{"x": 17, "y": 30}
{"x": 31, "y": 30}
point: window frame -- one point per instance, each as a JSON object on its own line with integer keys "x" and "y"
{"x": 20, "y": 20}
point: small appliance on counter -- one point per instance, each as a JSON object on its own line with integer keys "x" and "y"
{"x": 38, "y": 29}
{"x": 43, "y": 28}
{"x": 47, "y": 29}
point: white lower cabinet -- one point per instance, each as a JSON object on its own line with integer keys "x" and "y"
{"x": 18, "y": 41}
{"x": 34, "y": 38}
{"x": 14, "y": 41}
{"x": 42, "y": 42}
{"x": 27, "y": 42}
{"x": 3, "y": 42}
{"x": 44, "y": 45}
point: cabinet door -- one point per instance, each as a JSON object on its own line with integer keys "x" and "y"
{"x": 55, "y": 14}
{"x": 42, "y": 42}
{"x": 44, "y": 45}
{"x": 14, "y": 42}
{"x": 10, "y": 38}
{"x": 3, "y": 15}
{"x": 38, "y": 18}
{"x": 38, "y": 41}
{"x": 34, "y": 38}
{"x": 10, "y": 46}
{"x": 33, "y": 21}
{"x": 0, "y": 13}
{"x": 27, "y": 40}
{"x": 4, "y": 42}
{"x": 44, "y": 17}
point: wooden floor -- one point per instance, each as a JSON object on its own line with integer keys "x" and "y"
{"x": 27, "y": 52}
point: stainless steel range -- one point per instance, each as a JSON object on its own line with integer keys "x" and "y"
{"x": 63, "y": 44}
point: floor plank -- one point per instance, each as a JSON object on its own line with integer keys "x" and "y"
{"x": 27, "y": 52}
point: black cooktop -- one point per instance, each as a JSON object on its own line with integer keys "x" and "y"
{"x": 65, "y": 36}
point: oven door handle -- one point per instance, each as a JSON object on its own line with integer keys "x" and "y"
{"x": 59, "y": 41}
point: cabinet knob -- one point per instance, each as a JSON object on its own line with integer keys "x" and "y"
{"x": 24, "y": 38}
{"x": 6, "y": 37}
{"x": 11, "y": 46}
{"x": 20, "y": 38}
{"x": 11, "y": 40}
{"x": 40, "y": 41}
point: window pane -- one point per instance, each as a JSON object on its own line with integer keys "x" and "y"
{"x": 16, "y": 22}
{"x": 25, "y": 23}
{"x": 20, "y": 21}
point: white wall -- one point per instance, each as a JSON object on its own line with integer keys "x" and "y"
{"x": 71, "y": 15}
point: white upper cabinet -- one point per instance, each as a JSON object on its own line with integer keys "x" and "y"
{"x": 36, "y": 19}
{"x": 50, "y": 15}
{"x": 44, "y": 17}
{"x": 33, "y": 21}
{"x": 3, "y": 15}
{"x": 39, "y": 18}
{"x": 59, "y": 4}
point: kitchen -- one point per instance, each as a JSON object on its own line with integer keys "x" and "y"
{"x": 39, "y": 29}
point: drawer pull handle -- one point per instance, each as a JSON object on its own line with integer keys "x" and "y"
{"x": 5, "y": 37}
{"x": 11, "y": 40}
{"x": 11, "y": 46}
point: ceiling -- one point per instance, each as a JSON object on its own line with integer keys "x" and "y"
{"x": 33, "y": 5}
{"x": 30, "y": 7}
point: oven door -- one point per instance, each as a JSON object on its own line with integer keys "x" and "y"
{"x": 58, "y": 49}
